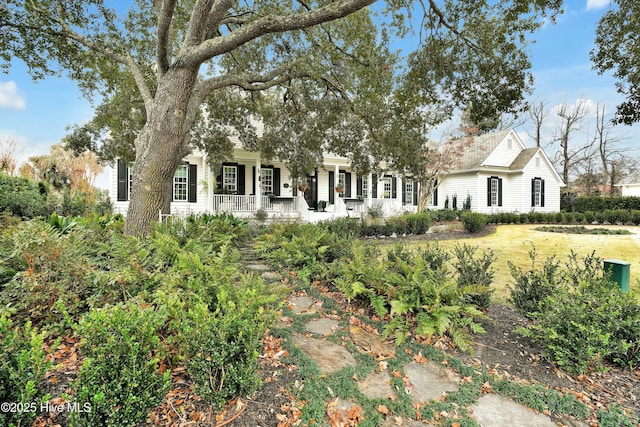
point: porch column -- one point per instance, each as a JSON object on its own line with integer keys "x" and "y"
{"x": 256, "y": 179}
{"x": 209, "y": 177}
{"x": 336, "y": 195}
{"x": 370, "y": 190}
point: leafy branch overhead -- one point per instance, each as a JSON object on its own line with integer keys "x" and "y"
{"x": 321, "y": 76}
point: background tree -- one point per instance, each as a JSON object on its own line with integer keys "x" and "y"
{"x": 8, "y": 161}
{"x": 608, "y": 149}
{"x": 537, "y": 113}
{"x": 571, "y": 120}
{"x": 617, "y": 50}
{"x": 320, "y": 75}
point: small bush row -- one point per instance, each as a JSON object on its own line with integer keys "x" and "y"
{"x": 617, "y": 216}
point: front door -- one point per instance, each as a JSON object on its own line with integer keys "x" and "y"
{"x": 311, "y": 193}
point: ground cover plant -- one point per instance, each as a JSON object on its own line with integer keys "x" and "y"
{"x": 138, "y": 309}
{"x": 583, "y": 230}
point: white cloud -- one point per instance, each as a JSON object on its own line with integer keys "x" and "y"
{"x": 10, "y": 98}
{"x": 597, "y": 4}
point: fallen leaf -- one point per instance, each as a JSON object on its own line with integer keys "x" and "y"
{"x": 383, "y": 409}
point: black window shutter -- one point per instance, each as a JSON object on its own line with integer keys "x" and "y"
{"x": 240, "y": 177}
{"x": 359, "y": 186}
{"x": 404, "y": 193}
{"x": 542, "y": 193}
{"x": 219, "y": 181}
{"x": 193, "y": 183}
{"x": 435, "y": 193}
{"x": 415, "y": 193}
{"x": 123, "y": 178}
{"x": 499, "y": 191}
{"x": 347, "y": 184}
{"x": 533, "y": 192}
{"x": 394, "y": 187}
{"x": 253, "y": 180}
{"x": 374, "y": 186}
{"x": 489, "y": 191}
{"x": 276, "y": 181}
{"x": 331, "y": 190}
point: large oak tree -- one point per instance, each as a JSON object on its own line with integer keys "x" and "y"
{"x": 320, "y": 74}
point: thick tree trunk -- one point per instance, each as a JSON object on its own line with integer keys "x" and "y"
{"x": 160, "y": 147}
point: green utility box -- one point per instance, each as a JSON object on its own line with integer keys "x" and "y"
{"x": 619, "y": 272}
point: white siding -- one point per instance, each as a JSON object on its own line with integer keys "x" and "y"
{"x": 631, "y": 190}
{"x": 504, "y": 154}
{"x": 551, "y": 185}
{"x": 460, "y": 185}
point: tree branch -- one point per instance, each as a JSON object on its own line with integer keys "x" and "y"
{"x": 163, "y": 41}
{"x": 127, "y": 60}
{"x": 197, "y": 29}
{"x": 271, "y": 24}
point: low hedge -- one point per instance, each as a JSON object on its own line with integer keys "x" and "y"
{"x": 415, "y": 223}
{"x": 609, "y": 216}
{"x": 570, "y": 203}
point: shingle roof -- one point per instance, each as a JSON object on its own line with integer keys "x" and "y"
{"x": 480, "y": 148}
{"x": 523, "y": 158}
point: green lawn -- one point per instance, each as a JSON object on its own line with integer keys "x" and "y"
{"x": 513, "y": 243}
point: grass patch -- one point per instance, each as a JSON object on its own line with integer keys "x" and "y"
{"x": 583, "y": 230}
{"x": 513, "y": 243}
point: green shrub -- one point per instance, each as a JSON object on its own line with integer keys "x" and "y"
{"x": 589, "y": 217}
{"x": 475, "y": 274}
{"x": 534, "y": 285}
{"x": 473, "y": 222}
{"x": 23, "y": 197}
{"x": 120, "y": 377}
{"x": 222, "y": 350}
{"x": 615, "y": 416}
{"x": 444, "y": 215}
{"x": 23, "y": 365}
{"x": 599, "y": 204}
{"x": 398, "y": 225}
{"x": 418, "y": 223}
{"x": 635, "y": 217}
{"x": 587, "y": 320}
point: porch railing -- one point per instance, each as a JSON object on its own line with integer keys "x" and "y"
{"x": 242, "y": 203}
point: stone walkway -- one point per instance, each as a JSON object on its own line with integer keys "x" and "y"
{"x": 425, "y": 380}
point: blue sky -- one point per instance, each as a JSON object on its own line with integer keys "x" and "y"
{"x": 36, "y": 114}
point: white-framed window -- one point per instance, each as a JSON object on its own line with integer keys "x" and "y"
{"x": 408, "y": 192}
{"x": 494, "y": 191}
{"x": 537, "y": 192}
{"x": 365, "y": 186}
{"x": 230, "y": 178}
{"x": 266, "y": 181}
{"x": 387, "y": 187}
{"x": 180, "y": 183}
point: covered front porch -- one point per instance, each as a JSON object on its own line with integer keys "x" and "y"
{"x": 250, "y": 185}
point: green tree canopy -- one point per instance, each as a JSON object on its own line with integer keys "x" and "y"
{"x": 319, "y": 75}
{"x": 617, "y": 49}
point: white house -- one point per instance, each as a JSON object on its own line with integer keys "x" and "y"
{"x": 630, "y": 186}
{"x": 249, "y": 183}
{"x": 498, "y": 174}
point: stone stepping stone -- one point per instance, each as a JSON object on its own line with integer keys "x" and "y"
{"x": 429, "y": 381}
{"x": 369, "y": 342}
{"x": 258, "y": 267}
{"x": 271, "y": 276}
{"x": 328, "y": 356}
{"x": 303, "y": 304}
{"x": 377, "y": 385}
{"x": 493, "y": 410}
{"x": 322, "y": 326}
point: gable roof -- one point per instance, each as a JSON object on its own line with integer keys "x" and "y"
{"x": 523, "y": 158}
{"x": 480, "y": 148}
